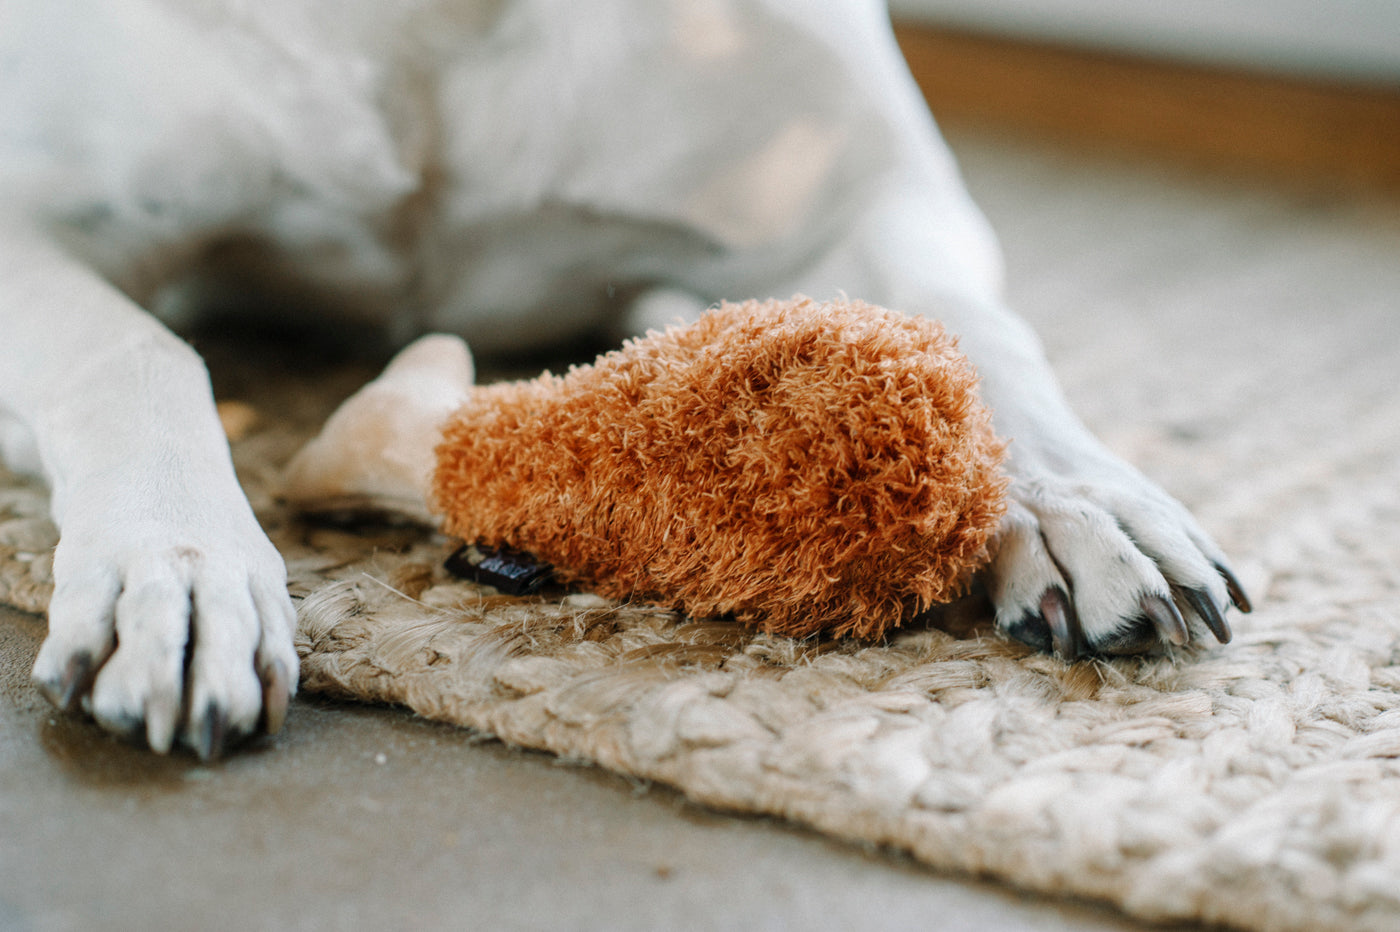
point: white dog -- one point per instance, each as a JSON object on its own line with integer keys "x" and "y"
{"x": 514, "y": 171}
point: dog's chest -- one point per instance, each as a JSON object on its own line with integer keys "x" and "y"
{"x": 454, "y": 154}
{"x": 355, "y": 130}
{"x": 281, "y": 119}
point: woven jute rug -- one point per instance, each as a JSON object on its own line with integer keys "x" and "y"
{"x": 1255, "y": 784}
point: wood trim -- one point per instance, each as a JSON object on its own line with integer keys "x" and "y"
{"x": 1325, "y": 135}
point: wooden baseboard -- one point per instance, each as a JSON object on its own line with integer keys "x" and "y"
{"x": 1327, "y": 135}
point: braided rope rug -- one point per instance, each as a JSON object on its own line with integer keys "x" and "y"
{"x": 1255, "y": 785}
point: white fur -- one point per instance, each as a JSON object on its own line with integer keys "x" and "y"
{"x": 509, "y": 170}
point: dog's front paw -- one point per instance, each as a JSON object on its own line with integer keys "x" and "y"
{"x": 171, "y": 630}
{"x": 1106, "y": 563}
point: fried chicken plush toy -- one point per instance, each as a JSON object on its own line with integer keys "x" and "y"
{"x": 802, "y": 467}
{"x": 798, "y": 466}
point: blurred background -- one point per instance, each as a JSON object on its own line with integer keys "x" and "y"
{"x": 1289, "y": 89}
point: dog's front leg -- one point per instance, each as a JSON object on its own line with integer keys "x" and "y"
{"x": 170, "y": 617}
{"x": 1092, "y": 557}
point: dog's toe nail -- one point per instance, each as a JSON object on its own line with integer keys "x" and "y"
{"x": 277, "y": 694}
{"x": 77, "y": 679}
{"x": 67, "y": 689}
{"x": 212, "y": 733}
{"x": 1059, "y": 617}
{"x": 1201, "y": 603}
{"x": 1166, "y": 619}
{"x": 1051, "y": 629}
{"x": 1237, "y": 595}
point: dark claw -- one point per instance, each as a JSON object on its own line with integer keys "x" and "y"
{"x": 1055, "y": 608}
{"x": 1201, "y": 603}
{"x": 1050, "y": 629}
{"x": 277, "y": 694}
{"x": 76, "y": 681}
{"x": 1165, "y": 617}
{"x": 212, "y": 733}
{"x": 1237, "y": 594}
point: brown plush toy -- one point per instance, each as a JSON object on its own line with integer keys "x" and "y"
{"x": 799, "y": 466}
{"x": 802, "y": 467}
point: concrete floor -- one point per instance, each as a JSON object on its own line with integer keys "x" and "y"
{"x": 369, "y": 818}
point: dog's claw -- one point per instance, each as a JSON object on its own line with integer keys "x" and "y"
{"x": 1166, "y": 618}
{"x": 1201, "y": 603}
{"x": 1051, "y": 629}
{"x": 1237, "y": 593}
{"x": 213, "y": 732}
{"x": 1055, "y": 609}
{"x": 277, "y": 694}
{"x": 76, "y": 679}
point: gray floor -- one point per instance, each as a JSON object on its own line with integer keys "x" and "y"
{"x": 363, "y": 817}
{"x": 368, "y": 818}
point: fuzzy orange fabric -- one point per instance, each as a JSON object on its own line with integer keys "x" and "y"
{"x": 800, "y": 466}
